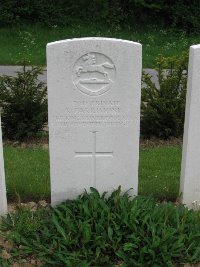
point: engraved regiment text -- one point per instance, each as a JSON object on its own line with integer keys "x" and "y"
{"x": 93, "y": 113}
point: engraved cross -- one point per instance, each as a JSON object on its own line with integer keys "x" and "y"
{"x": 94, "y": 153}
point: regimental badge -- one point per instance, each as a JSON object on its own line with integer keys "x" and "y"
{"x": 94, "y": 74}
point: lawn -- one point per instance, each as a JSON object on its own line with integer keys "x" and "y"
{"x": 30, "y": 41}
{"x": 27, "y": 172}
{"x": 94, "y": 230}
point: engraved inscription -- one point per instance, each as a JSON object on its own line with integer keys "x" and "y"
{"x": 94, "y": 153}
{"x": 106, "y": 113}
{"x": 94, "y": 74}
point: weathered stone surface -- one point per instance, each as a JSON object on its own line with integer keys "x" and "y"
{"x": 3, "y": 200}
{"x": 94, "y": 88}
{"x": 190, "y": 172}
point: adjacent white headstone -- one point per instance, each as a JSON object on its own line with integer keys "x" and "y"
{"x": 3, "y": 200}
{"x": 190, "y": 172}
{"x": 94, "y": 87}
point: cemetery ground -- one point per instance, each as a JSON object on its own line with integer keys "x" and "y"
{"x": 32, "y": 41}
{"x": 101, "y": 231}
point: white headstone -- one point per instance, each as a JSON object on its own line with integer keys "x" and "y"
{"x": 190, "y": 171}
{"x": 94, "y": 87}
{"x": 3, "y": 200}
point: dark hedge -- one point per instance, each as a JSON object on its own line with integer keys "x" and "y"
{"x": 183, "y": 14}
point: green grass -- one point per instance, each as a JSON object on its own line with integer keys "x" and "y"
{"x": 154, "y": 40}
{"x": 159, "y": 172}
{"x": 27, "y": 172}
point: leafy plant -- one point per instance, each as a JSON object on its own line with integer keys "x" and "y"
{"x": 101, "y": 230}
{"x": 25, "y": 221}
{"x": 23, "y": 100}
{"x": 163, "y": 106}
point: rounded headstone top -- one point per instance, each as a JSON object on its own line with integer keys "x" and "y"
{"x": 98, "y": 39}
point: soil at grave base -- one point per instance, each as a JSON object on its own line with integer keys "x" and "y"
{"x": 150, "y": 143}
{"x": 33, "y": 206}
{"x": 144, "y": 143}
{"x": 6, "y": 246}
